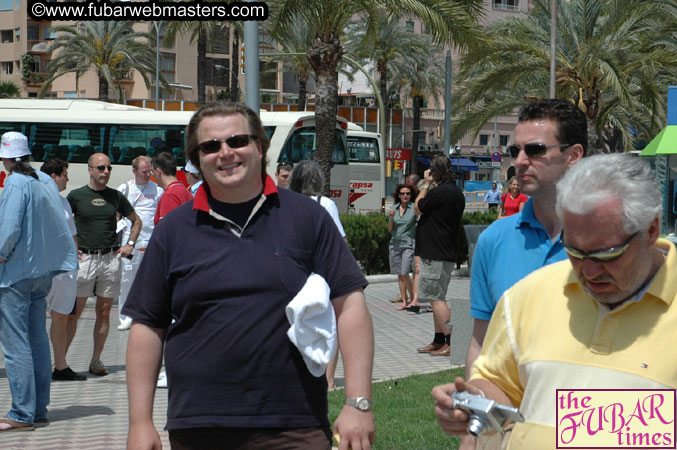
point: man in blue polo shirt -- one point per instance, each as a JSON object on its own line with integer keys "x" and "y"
{"x": 492, "y": 197}
{"x": 213, "y": 288}
{"x": 550, "y": 136}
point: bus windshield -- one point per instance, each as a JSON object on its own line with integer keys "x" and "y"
{"x": 363, "y": 149}
{"x": 302, "y": 143}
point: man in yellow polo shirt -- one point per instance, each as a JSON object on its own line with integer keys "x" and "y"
{"x": 604, "y": 319}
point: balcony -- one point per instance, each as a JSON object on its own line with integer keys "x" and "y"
{"x": 125, "y": 77}
{"x": 37, "y": 47}
{"x": 36, "y": 79}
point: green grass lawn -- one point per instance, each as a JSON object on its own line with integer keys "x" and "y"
{"x": 403, "y": 410}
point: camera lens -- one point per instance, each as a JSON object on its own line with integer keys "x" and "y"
{"x": 475, "y": 425}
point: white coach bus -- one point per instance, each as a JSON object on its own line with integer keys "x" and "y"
{"x": 366, "y": 160}
{"x": 72, "y": 130}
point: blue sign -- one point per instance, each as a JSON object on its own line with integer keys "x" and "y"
{"x": 496, "y": 157}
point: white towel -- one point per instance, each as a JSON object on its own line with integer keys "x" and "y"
{"x": 313, "y": 324}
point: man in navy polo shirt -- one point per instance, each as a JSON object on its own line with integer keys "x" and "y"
{"x": 224, "y": 267}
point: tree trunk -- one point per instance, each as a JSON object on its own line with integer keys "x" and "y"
{"x": 303, "y": 90}
{"x": 103, "y": 88}
{"x": 201, "y": 64}
{"x": 418, "y": 102}
{"x": 324, "y": 55}
{"x": 234, "y": 58}
{"x": 382, "y": 70}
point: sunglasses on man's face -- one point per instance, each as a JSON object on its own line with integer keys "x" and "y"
{"x": 102, "y": 167}
{"x": 599, "y": 256}
{"x": 533, "y": 150}
{"x": 235, "y": 141}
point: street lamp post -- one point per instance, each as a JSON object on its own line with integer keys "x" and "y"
{"x": 157, "y": 24}
{"x": 232, "y": 74}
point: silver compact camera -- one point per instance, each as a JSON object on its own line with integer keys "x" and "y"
{"x": 485, "y": 414}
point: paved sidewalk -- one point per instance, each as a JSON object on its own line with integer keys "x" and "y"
{"x": 93, "y": 414}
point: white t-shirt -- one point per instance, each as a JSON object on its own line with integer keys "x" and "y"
{"x": 144, "y": 199}
{"x": 68, "y": 212}
{"x": 331, "y": 208}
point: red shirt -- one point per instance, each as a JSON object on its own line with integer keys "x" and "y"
{"x": 511, "y": 204}
{"x": 175, "y": 195}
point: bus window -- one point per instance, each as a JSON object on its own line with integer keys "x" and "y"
{"x": 269, "y": 130}
{"x": 362, "y": 149}
{"x": 302, "y": 143}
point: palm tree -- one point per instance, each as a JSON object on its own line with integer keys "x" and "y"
{"x": 295, "y": 39}
{"x": 421, "y": 75}
{"x": 9, "y": 89}
{"x": 614, "y": 59}
{"x": 449, "y": 20}
{"x": 110, "y": 48}
{"x": 388, "y": 46}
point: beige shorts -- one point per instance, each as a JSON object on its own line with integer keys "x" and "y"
{"x": 99, "y": 275}
{"x": 434, "y": 279}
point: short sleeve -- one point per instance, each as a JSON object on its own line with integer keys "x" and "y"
{"x": 481, "y": 303}
{"x": 497, "y": 362}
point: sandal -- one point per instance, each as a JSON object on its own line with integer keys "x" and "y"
{"x": 16, "y": 426}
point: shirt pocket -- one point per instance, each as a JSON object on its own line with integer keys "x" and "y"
{"x": 294, "y": 266}
{"x": 430, "y": 271}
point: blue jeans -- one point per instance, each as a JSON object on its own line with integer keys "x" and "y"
{"x": 23, "y": 336}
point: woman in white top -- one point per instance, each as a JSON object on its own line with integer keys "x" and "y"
{"x": 307, "y": 179}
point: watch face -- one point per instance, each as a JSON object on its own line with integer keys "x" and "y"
{"x": 363, "y": 404}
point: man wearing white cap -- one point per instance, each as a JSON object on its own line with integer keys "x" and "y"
{"x": 193, "y": 177}
{"x": 144, "y": 196}
{"x": 35, "y": 245}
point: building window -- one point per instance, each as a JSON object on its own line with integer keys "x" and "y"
{"x": 268, "y": 75}
{"x": 7, "y": 67}
{"x": 6, "y": 36}
{"x": 409, "y": 24}
{"x": 503, "y": 139}
{"x": 484, "y": 139}
{"x": 32, "y": 31}
{"x": 167, "y": 66}
{"x": 6, "y": 5}
{"x": 163, "y": 35}
{"x": 506, "y": 4}
{"x": 17, "y": 34}
{"x": 49, "y": 35}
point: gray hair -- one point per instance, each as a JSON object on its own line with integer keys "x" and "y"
{"x": 307, "y": 178}
{"x": 617, "y": 175}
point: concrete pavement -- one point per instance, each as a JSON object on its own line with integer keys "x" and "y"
{"x": 93, "y": 414}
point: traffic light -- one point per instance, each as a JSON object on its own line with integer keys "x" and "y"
{"x": 242, "y": 59}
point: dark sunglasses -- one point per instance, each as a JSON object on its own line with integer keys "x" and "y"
{"x": 533, "y": 150}
{"x": 235, "y": 141}
{"x": 600, "y": 256}
{"x": 102, "y": 167}
{"x": 405, "y": 193}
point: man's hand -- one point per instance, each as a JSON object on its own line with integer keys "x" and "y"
{"x": 143, "y": 437}
{"x": 355, "y": 428}
{"x": 453, "y": 421}
{"x": 125, "y": 250}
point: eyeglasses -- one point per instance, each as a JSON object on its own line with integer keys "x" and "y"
{"x": 102, "y": 167}
{"x": 405, "y": 193}
{"x": 533, "y": 150}
{"x": 600, "y": 256}
{"x": 235, "y": 141}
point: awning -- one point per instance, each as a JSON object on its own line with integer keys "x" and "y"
{"x": 663, "y": 144}
{"x": 457, "y": 164}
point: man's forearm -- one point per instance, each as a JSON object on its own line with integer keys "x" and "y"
{"x": 136, "y": 229}
{"x": 144, "y": 359}
{"x": 356, "y": 340}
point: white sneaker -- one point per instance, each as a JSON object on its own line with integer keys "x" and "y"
{"x": 162, "y": 380}
{"x": 125, "y": 324}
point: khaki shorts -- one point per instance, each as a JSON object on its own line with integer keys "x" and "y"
{"x": 434, "y": 279}
{"x": 99, "y": 275}
{"x": 61, "y": 297}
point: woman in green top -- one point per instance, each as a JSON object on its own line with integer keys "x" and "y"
{"x": 402, "y": 225}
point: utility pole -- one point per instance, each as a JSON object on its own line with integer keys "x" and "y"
{"x": 447, "y": 106}
{"x": 251, "y": 57}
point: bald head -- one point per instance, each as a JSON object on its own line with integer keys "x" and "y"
{"x": 99, "y": 171}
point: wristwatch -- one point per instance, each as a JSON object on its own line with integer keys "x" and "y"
{"x": 361, "y": 403}
{"x": 132, "y": 243}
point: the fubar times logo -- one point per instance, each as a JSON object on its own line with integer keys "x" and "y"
{"x": 615, "y": 418}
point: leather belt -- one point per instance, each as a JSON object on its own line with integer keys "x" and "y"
{"x": 101, "y": 251}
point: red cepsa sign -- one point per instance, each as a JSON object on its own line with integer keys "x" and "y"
{"x": 399, "y": 154}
